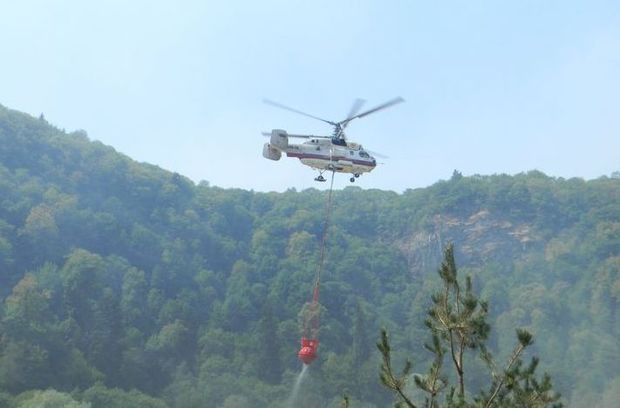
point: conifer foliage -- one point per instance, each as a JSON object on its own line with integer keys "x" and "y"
{"x": 457, "y": 321}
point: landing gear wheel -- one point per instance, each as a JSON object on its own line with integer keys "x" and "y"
{"x": 320, "y": 178}
{"x": 352, "y": 179}
{"x": 356, "y": 175}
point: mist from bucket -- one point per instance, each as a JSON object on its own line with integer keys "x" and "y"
{"x": 293, "y": 398}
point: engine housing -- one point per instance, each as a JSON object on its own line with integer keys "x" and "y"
{"x": 271, "y": 153}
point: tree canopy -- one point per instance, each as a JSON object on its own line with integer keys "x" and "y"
{"x": 122, "y": 281}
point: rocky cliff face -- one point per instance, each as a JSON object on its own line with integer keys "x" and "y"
{"x": 481, "y": 237}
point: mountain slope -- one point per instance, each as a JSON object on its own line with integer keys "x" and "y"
{"x": 122, "y": 273}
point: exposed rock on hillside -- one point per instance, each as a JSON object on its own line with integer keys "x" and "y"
{"x": 482, "y": 237}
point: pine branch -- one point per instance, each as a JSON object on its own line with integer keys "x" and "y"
{"x": 387, "y": 375}
{"x": 525, "y": 339}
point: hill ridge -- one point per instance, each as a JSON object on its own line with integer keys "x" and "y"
{"x": 165, "y": 286}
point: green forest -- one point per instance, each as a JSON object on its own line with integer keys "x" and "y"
{"x": 125, "y": 285}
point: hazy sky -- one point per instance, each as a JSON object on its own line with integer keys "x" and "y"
{"x": 490, "y": 86}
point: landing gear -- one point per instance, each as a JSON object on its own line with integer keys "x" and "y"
{"x": 352, "y": 179}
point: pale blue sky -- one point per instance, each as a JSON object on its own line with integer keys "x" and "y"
{"x": 490, "y": 86}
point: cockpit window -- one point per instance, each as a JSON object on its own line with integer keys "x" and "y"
{"x": 364, "y": 154}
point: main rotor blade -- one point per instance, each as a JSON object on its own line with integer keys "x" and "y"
{"x": 376, "y": 154}
{"x": 375, "y": 109}
{"x": 267, "y": 134}
{"x": 308, "y": 136}
{"x": 279, "y": 105}
{"x": 357, "y": 105}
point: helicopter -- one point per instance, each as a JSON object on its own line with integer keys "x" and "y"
{"x": 326, "y": 153}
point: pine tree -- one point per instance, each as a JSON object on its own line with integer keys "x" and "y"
{"x": 361, "y": 347}
{"x": 458, "y": 322}
{"x": 269, "y": 366}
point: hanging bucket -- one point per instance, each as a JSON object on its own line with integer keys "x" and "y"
{"x": 307, "y": 352}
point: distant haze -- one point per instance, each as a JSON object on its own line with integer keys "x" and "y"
{"x": 490, "y": 87}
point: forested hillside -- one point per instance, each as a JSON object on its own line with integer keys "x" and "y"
{"x": 124, "y": 285}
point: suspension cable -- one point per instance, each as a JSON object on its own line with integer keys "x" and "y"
{"x": 328, "y": 211}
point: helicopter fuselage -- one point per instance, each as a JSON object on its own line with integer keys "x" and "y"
{"x": 322, "y": 154}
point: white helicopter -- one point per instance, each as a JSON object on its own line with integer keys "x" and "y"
{"x": 333, "y": 153}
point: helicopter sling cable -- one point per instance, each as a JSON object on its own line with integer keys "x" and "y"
{"x": 311, "y": 311}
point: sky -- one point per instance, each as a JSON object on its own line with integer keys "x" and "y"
{"x": 490, "y": 86}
